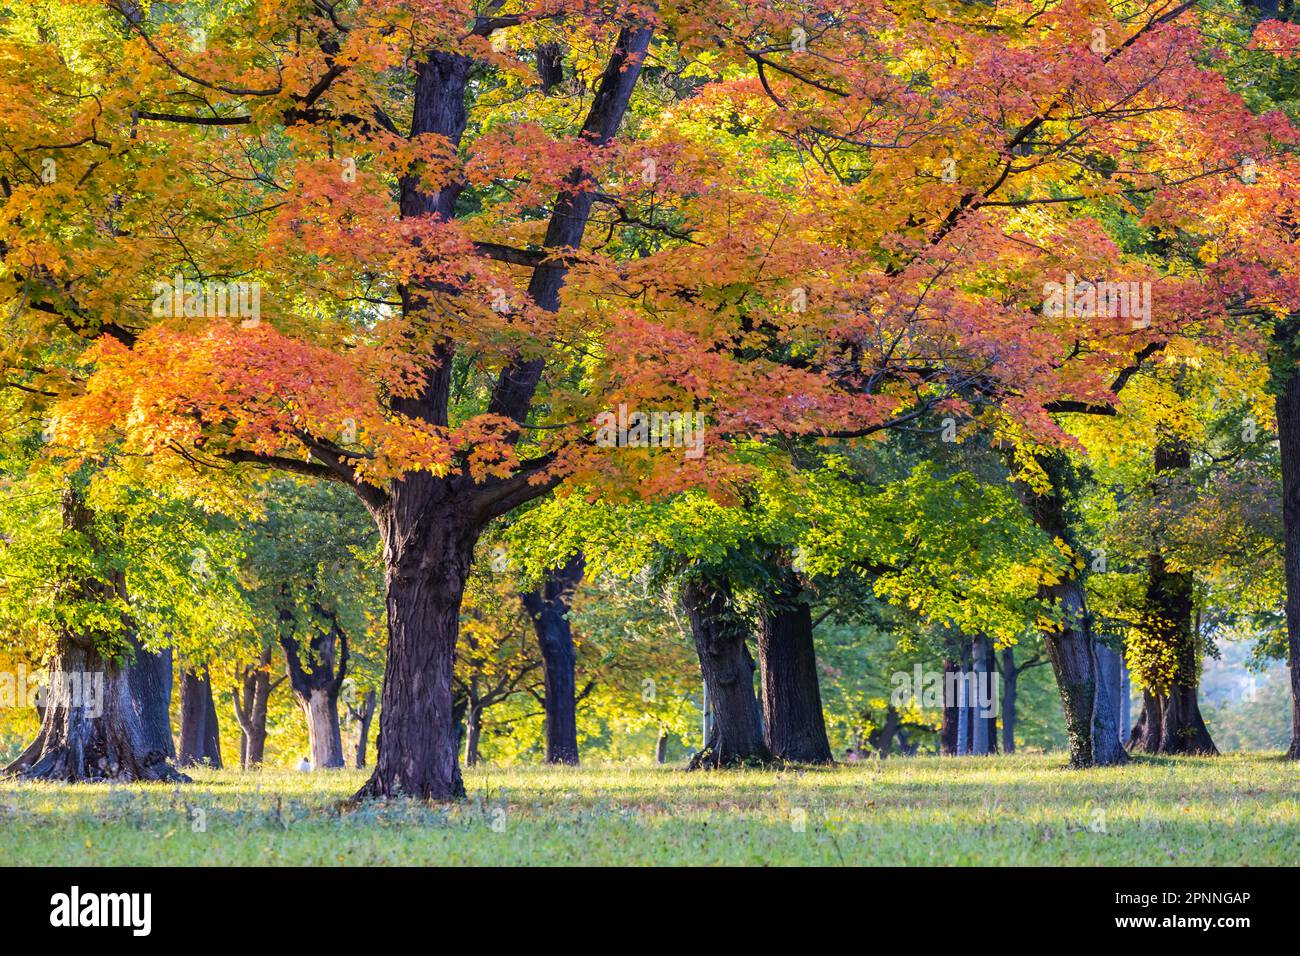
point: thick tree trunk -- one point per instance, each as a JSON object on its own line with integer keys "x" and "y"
{"x": 548, "y": 606}
{"x": 324, "y": 737}
{"x": 151, "y": 689}
{"x": 200, "y": 740}
{"x": 211, "y": 729}
{"x": 736, "y": 736}
{"x": 427, "y": 555}
{"x": 949, "y": 734}
{"x": 1091, "y": 710}
{"x": 795, "y": 728}
{"x": 1125, "y": 697}
{"x": 1145, "y": 736}
{"x": 93, "y": 726}
{"x": 1288, "y": 429}
{"x": 1010, "y": 682}
{"x": 661, "y": 747}
{"x": 1288, "y": 440}
{"x": 1110, "y": 668}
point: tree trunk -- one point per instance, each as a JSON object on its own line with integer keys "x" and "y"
{"x": 363, "y": 717}
{"x": 427, "y": 555}
{"x": 211, "y": 730}
{"x": 1110, "y": 667}
{"x": 93, "y": 727}
{"x": 1010, "y": 680}
{"x": 151, "y": 689}
{"x": 1145, "y": 736}
{"x": 949, "y": 734}
{"x": 982, "y": 652}
{"x": 883, "y": 737}
{"x": 200, "y": 742}
{"x": 250, "y": 710}
{"x": 1288, "y": 430}
{"x": 429, "y": 524}
{"x": 1091, "y": 712}
{"x": 661, "y": 747}
{"x": 1125, "y": 697}
{"x": 795, "y": 728}
{"x": 548, "y": 606}
{"x": 473, "y": 733}
{"x": 324, "y": 737}
{"x": 963, "y": 716}
{"x": 316, "y": 679}
{"x": 736, "y": 736}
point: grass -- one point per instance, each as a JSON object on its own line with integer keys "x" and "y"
{"x": 1240, "y": 809}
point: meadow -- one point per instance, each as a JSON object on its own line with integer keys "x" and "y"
{"x": 1241, "y": 809}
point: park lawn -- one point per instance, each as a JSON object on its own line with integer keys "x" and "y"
{"x": 1239, "y": 809}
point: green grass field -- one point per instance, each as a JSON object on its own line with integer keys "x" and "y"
{"x": 1241, "y": 809}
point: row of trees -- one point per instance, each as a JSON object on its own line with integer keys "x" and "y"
{"x": 950, "y": 288}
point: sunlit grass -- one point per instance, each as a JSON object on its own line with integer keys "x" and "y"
{"x": 1240, "y": 809}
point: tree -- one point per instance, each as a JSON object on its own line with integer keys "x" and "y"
{"x": 200, "y": 736}
{"x": 311, "y": 575}
{"x": 548, "y": 606}
{"x": 793, "y": 723}
{"x": 251, "y": 708}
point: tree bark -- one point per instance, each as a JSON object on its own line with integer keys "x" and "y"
{"x": 93, "y": 726}
{"x": 963, "y": 716}
{"x": 736, "y": 736}
{"x": 548, "y": 606}
{"x": 1010, "y": 683}
{"x": 363, "y": 718}
{"x": 661, "y": 747}
{"x": 151, "y": 689}
{"x": 1091, "y": 711}
{"x": 1288, "y": 429}
{"x": 981, "y": 651}
{"x": 949, "y": 733}
{"x": 1125, "y": 696}
{"x": 200, "y": 735}
{"x": 1110, "y": 669}
{"x": 794, "y": 725}
{"x": 473, "y": 733}
{"x": 250, "y": 710}
{"x": 428, "y": 544}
